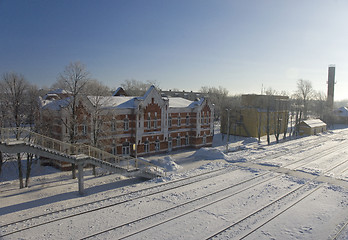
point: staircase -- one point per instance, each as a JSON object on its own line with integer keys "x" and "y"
{"x": 19, "y": 140}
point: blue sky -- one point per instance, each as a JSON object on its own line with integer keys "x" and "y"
{"x": 184, "y": 44}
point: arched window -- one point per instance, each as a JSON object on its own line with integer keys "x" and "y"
{"x": 155, "y": 121}
{"x": 148, "y": 121}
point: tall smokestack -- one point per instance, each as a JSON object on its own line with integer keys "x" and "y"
{"x": 330, "y": 86}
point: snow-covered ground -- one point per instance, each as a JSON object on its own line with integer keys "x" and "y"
{"x": 297, "y": 189}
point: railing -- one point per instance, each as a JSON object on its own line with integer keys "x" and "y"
{"x": 8, "y": 135}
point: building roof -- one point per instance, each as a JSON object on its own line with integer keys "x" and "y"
{"x": 122, "y": 101}
{"x": 55, "y": 104}
{"x": 314, "y": 123}
{"x": 58, "y": 91}
{"x": 119, "y": 92}
{"x": 178, "y": 102}
{"x": 112, "y": 101}
{"x": 342, "y": 112}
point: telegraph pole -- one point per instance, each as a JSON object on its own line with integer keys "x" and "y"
{"x": 228, "y": 128}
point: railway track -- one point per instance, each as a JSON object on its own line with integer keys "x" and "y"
{"x": 186, "y": 204}
{"x": 225, "y": 232}
{"x": 340, "y": 231}
{"x": 116, "y": 200}
{"x": 65, "y": 213}
{"x": 276, "y": 203}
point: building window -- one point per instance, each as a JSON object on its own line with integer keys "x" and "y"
{"x": 170, "y": 121}
{"x": 187, "y": 140}
{"x": 113, "y": 148}
{"x": 126, "y": 124}
{"x": 170, "y": 144}
{"x": 187, "y": 120}
{"x": 204, "y": 139}
{"x": 157, "y": 145}
{"x": 178, "y": 141}
{"x": 202, "y": 119}
{"x": 148, "y": 121}
{"x": 146, "y": 147}
{"x": 113, "y": 124}
{"x": 179, "y": 121}
{"x": 84, "y": 129}
{"x": 155, "y": 123}
{"x": 125, "y": 148}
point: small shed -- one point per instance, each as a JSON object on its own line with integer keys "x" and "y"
{"x": 311, "y": 127}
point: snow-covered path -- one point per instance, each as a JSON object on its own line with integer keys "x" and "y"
{"x": 292, "y": 190}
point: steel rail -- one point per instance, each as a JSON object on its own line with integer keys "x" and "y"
{"x": 206, "y": 175}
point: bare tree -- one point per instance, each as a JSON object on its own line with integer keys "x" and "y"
{"x": 99, "y": 93}
{"x": 217, "y": 96}
{"x": 73, "y": 79}
{"x": 304, "y": 93}
{"x": 32, "y": 123}
{"x": 14, "y": 97}
{"x": 137, "y": 88}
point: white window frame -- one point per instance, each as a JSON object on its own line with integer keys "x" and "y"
{"x": 126, "y": 124}
{"x": 178, "y": 141}
{"x": 126, "y": 149}
{"x": 146, "y": 146}
{"x": 170, "y": 121}
{"x": 157, "y": 145}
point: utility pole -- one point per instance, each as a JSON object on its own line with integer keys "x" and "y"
{"x": 228, "y": 128}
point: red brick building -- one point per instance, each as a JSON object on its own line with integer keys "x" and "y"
{"x": 149, "y": 124}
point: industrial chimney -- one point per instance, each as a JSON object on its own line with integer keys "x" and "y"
{"x": 330, "y": 86}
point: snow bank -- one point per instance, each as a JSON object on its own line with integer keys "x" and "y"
{"x": 216, "y": 154}
{"x": 167, "y": 163}
{"x": 209, "y": 154}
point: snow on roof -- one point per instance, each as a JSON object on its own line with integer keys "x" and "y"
{"x": 50, "y": 95}
{"x": 314, "y": 123}
{"x": 147, "y": 92}
{"x": 178, "y": 102}
{"x": 342, "y": 112}
{"x": 58, "y": 91}
{"x": 112, "y": 101}
{"x": 55, "y": 104}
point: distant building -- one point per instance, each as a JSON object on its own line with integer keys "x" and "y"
{"x": 341, "y": 115}
{"x": 183, "y": 94}
{"x": 311, "y": 127}
{"x": 251, "y": 118}
{"x": 149, "y": 124}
